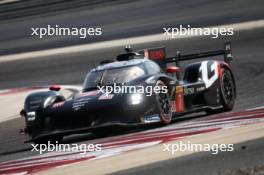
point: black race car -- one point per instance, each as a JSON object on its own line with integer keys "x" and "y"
{"x": 206, "y": 85}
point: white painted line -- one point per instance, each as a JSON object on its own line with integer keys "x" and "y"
{"x": 4, "y": 91}
{"x": 8, "y": 1}
{"x": 260, "y": 107}
{"x": 120, "y": 42}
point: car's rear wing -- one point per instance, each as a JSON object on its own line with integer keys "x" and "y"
{"x": 227, "y": 52}
{"x": 159, "y": 55}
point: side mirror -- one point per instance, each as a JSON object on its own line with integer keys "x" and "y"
{"x": 172, "y": 69}
{"x": 54, "y": 88}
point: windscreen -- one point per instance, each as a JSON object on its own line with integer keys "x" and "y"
{"x": 111, "y": 76}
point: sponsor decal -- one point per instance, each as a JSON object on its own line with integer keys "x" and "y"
{"x": 59, "y": 104}
{"x": 151, "y": 118}
{"x": 200, "y": 89}
{"x": 79, "y": 103}
{"x": 106, "y": 96}
{"x": 88, "y": 94}
{"x": 179, "y": 89}
{"x": 188, "y": 91}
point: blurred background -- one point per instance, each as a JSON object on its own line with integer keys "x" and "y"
{"x": 121, "y": 19}
{"x": 27, "y": 61}
{"x": 117, "y": 18}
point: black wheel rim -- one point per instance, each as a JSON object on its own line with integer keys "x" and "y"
{"x": 164, "y": 103}
{"x": 228, "y": 89}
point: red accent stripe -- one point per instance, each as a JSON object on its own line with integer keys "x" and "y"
{"x": 40, "y": 167}
{"x": 219, "y": 69}
{"x": 166, "y": 137}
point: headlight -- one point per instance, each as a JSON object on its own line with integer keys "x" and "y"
{"x": 135, "y": 99}
{"x": 31, "y": 116}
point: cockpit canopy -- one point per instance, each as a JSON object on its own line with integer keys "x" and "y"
{"x": 110, "y": 76}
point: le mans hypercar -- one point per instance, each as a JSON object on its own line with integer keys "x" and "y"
{"x": 206, "y": 85}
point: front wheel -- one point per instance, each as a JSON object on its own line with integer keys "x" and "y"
{"x": 163, "y": 105}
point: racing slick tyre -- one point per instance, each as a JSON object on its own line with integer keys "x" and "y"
{"x": 227, "y": 87}
{"x": 163, "y": 105}
{"x": 227, "y": 93}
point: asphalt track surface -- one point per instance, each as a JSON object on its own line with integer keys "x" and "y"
{"x": 122, "y": 20}
{"x": 149, "y": 17}
{"x": 237, "y": 162}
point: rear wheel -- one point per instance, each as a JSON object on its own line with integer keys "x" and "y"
{"x": 163, "y": 105}
{"x": 227, "y": 90}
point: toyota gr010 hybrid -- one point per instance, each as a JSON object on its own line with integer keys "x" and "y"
{"x": 205, "y": 86}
